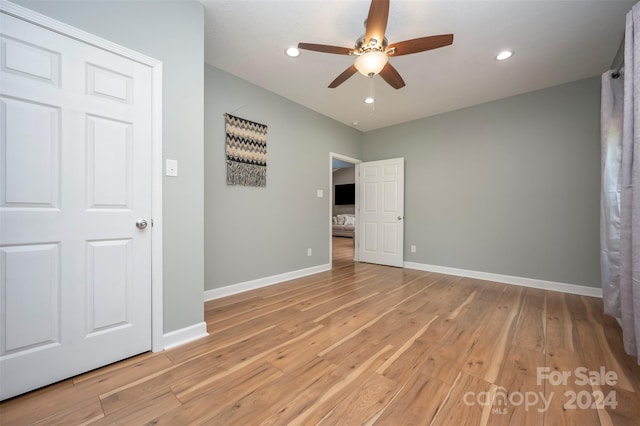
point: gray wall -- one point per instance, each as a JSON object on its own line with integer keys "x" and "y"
{"x": 508, "y": 187}
{"x": 173, "y": 32}
{"x": 251, "y": 232}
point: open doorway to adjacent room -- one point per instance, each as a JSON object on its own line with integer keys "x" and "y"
{"x": 343, "y": 209}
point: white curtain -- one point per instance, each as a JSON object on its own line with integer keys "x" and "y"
{"x": 611, "y": 149}
{"x": 620, "y": 197}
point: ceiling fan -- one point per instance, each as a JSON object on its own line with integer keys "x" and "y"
{"x": 373, "y": 50}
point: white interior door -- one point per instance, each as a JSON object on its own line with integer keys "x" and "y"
{"x": 381, "y": 211}
{"x": 75, "y": 151}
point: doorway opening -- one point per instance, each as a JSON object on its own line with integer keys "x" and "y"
{"x": 343, "y": 210}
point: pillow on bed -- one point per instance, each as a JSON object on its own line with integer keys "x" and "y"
{"x": 334, "y": 220}
{"x": 349, "y": 220}
{"x": 340, "y": 219}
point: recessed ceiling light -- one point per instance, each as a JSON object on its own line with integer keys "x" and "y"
{"x": 355, "y": 123}
{"x": 292, "y": 52}
{"x": 369, "y": 100}
{"x": 505, "y": 54}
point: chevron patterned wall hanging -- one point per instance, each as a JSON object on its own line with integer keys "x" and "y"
{"x": 246, "y": 150}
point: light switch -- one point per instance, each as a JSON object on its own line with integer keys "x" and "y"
{"x": 320, "y": 193}
{"x": 172, "y": 168}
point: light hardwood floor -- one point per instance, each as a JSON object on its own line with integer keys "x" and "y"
{"x": 365, "y": 344}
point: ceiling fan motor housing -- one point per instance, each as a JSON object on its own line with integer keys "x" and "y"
{"x": 361, "y": 47}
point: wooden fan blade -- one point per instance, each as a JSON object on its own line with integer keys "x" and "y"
{"x": 325, "y": 48}
{"x": 391, "y": 76}
{"x": 343, "y": 77}
{"x": 420, "y": 44}
{"x": 377, "y": 21}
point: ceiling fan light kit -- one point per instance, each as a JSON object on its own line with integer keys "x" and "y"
{"x": 372, "y": 56}
{"x": 371, "y": 63}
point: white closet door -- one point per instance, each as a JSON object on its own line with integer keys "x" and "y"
{"x": 75, "y": 155}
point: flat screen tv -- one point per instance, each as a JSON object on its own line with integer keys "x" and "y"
{"x": 345, "y": 194}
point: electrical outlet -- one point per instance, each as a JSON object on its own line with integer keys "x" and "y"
{"x": 413, "y": 249}
{"x": 309, "y": 252}
{"x": 320, "y": 193}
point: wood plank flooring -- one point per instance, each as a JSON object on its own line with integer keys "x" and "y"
{"x": 361, "y": 345}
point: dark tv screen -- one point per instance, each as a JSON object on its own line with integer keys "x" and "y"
{"x": 345, "y": 194}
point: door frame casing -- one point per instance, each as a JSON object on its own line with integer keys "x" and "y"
{"x": 155, "y": 65}
{"x": 355, "y": 163}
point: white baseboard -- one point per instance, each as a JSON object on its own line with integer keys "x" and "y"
{"x": 508, "y": 279}
{"x": 217, "y": 293}
{"x": 185, "y": 335}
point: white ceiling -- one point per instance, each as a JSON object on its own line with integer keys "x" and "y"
{"x": 554, "y": 41}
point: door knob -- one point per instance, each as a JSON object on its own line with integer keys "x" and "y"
{"x": 141, "y": 224}
{"x": 399, "y": 217}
